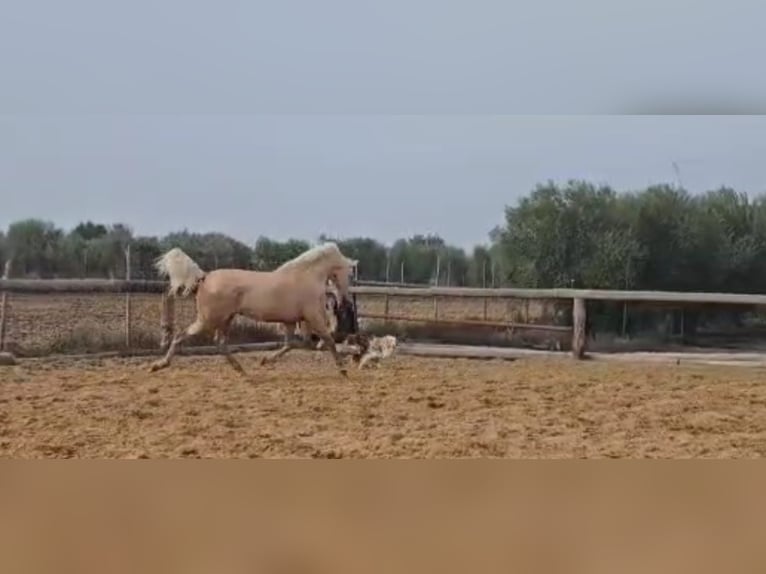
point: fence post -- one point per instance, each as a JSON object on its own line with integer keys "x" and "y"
{"x": 167, "y": 319}
{"x": 578, "y": 329}
{"x": 385, "y": 311}
{"x": 128, "y": 301}
{"x": 353, "y": 297}
{"x": 624, "y": 319}
{"x": 3, "y": 319}
{"x": 436, "y": 308}
{"x": 4, "y": 304}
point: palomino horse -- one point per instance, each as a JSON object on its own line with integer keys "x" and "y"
{"x": 293, "y": 293}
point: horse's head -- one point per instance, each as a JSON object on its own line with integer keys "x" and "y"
{"x": 340, "y": 275}
{"x": 339, "y": 269}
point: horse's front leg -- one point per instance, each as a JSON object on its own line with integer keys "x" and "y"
{"x": 222, "y": 338}
{"x": 319, "y": 326}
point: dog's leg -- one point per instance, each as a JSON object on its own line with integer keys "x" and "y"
{"x": 372, "y": 355}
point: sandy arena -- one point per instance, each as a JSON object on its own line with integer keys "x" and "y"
{"x": 409, "y": 407}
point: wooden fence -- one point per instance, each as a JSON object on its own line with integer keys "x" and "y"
{"x": 577, "y": 296}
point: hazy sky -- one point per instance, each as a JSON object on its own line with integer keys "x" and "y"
{"x": 278, "y": 119}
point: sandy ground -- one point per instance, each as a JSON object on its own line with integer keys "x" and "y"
{"x": 409, "y": 407}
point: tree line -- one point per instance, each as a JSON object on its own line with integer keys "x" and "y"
{"x": 35, "y": 248}
{"x": 660, "y": 238}
{"x": 572, "y": 235}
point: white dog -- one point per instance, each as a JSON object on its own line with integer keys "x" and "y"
{"x": 371, "y": 348}
{"x": 379, "y": 348}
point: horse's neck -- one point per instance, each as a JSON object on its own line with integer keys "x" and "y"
{"x": 317, "y": 272}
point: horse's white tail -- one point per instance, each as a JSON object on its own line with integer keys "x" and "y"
{"x": 183, "y": 272}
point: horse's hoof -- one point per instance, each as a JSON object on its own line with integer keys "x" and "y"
{"x": 344, "y": 373}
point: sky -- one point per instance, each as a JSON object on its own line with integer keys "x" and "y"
{"x": 354, "y": 118}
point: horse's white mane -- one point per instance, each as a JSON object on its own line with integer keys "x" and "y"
{"x": 313, "y": 255}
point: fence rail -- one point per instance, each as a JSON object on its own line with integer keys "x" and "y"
{"x": 465, "y": 322}
{"x": 587, "y": 294}
{"x": 364, "y": 283}
{"x": 56, "y": 286}
{"x": 53, "y": 286}
{"x": 577, "y": 296}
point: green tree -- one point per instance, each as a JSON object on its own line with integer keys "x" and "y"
{"x": 34, "y": 246}
{"x": 269, "y": 254}
{"x": 553, "y": 237}
{"x": 371, "y": 254}
{"x": 453, "y": 266}
{"x": 4, "y": 255}
{"x": 663, "y": 228}
{"x": 144, "y": 251}
{"x": 88, "y": 230}
{"x": 106, "y": 253}
{"x": 73, "y": 255}
{"x": 728, "y": 240}
{"x": 480, "y": 267}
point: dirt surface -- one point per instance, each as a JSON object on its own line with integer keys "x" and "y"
{"x": 409, "y": 407}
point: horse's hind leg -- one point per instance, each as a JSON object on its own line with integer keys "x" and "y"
{"x": 222, "y": 336}
{"x": 195, "y": 328}
{"x": 289, "y": 344}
